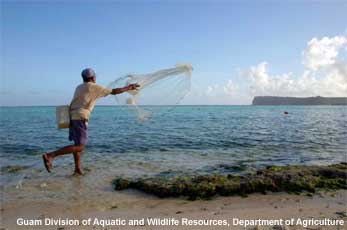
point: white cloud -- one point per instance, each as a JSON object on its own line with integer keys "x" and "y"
{"x": 213, "y": 90}
{"x": 326, "y": 73}
{"x": 230, "y": 88}
{"x": 320, "y": 53}
{"x": 222, "y": 90}
{"x": 222, "y": 93}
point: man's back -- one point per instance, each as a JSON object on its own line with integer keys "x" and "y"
{"x": 84, "y": 99}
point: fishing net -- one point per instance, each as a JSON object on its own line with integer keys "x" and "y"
{"x": 159, "y": 92}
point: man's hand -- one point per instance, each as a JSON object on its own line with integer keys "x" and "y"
{"x": 133, "y": 86}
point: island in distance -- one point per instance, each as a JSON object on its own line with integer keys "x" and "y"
{"x": 271, "y": 100}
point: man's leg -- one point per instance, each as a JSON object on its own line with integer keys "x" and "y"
{"x": 77, "y": 159}
{"x": 48, "y": 157}
{"x": 65, "y": 150}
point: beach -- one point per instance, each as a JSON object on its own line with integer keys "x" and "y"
{"x": 136, "y": 205}
{"x": 59, "y": 201}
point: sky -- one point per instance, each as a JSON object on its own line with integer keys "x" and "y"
{"x": 238, "y": 49}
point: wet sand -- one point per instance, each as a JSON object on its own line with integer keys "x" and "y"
{"x": 132, "y": 204}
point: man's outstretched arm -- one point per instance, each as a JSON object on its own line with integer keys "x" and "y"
{"x": 124, "y": 89}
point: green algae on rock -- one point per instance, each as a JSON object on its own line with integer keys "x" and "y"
{"x": 291, "y": 179}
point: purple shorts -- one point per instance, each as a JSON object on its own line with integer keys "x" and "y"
{"x": 78, "y": 131}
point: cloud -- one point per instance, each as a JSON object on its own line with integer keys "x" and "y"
{"x": 325, "y": 73}
{"x": 230, "y": 88}
{"x": 212, "y": 90}
{"x": 321, "y": 53}
{"x": 261, "y": 82}
{"x": 219, "y": 94}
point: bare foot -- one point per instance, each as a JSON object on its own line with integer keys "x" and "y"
{"x": 47, "y": 161}
{"x": 78, "y": 172}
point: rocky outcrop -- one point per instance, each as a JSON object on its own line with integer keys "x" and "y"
{"x": 274, "y": 178}
{"x": 269, "y": 100}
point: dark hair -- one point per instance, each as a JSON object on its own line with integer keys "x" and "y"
{"x": 87, "y": 79}
{"x": 88, "y": 74}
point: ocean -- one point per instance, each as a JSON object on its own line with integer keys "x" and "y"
{"x": 188, "y": 139}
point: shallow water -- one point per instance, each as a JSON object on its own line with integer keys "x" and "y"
{"x": 189, "y": 139}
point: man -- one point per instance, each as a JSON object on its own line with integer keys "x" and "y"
{"x": 81, "y": 106}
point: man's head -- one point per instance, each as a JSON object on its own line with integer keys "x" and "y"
{"x": 88, "y": 75}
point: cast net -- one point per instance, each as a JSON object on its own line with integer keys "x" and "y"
{"x": 159, "y": 92}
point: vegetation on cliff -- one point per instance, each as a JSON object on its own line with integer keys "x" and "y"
{"x": 271, "y": 100}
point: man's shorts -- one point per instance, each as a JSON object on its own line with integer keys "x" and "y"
{"x": 78, "y": 131}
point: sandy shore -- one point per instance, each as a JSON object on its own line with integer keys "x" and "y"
{"x": 136, "y": 205}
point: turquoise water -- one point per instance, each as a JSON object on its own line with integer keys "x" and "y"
{"x": 192, "y": 139}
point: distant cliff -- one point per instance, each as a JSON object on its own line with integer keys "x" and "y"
{"x": 269, "y": 100}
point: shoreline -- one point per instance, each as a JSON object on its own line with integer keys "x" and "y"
{"x": 75, "y": 198}
{"x": 135, "y": 205}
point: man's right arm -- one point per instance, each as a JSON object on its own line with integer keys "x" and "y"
{"x": 124, "y": 89}
{"x": 119, "y": 90}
